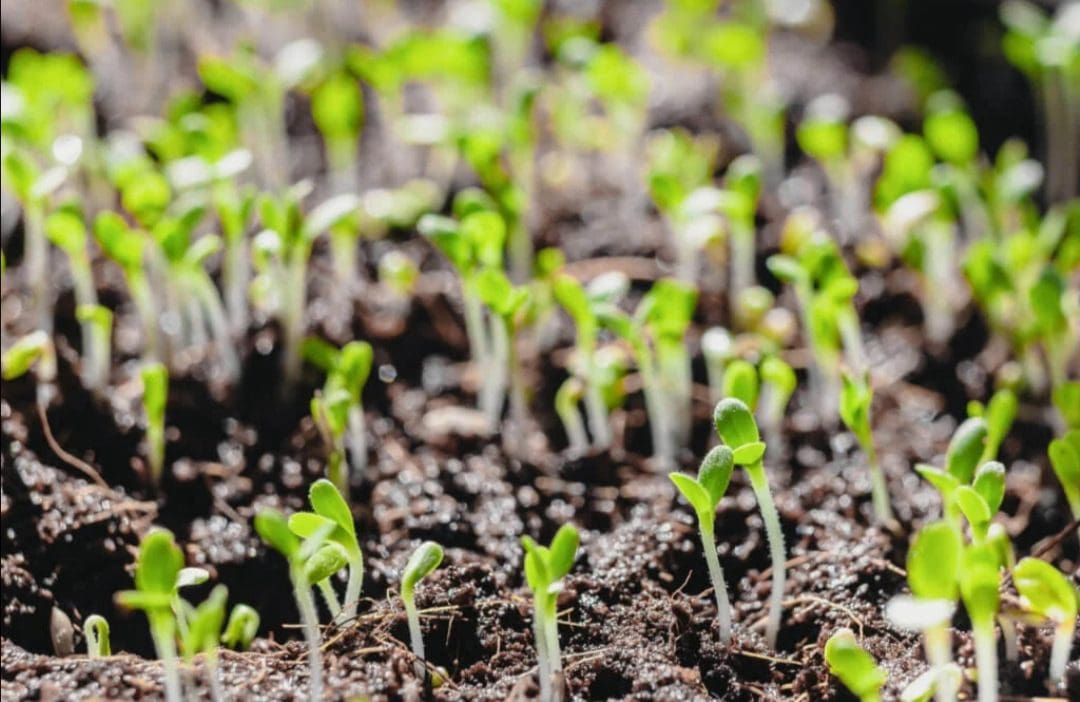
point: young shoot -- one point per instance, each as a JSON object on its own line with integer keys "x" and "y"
{"x": 704, "y": 494}
{"x": 155, "y": 380}
{"x": 933, "y": 574}
{"x": 718, "y": 348}
{"x": 1065, "y": 459}
{"x": 157, "y": 571}
{"x": 97, "y": 324}
{"x": 854, "y": 666}
{"x": 778, "y": 383}
{"x": 980, "y": 578}
{"x": 347, "y": 371}
{"x": 96, "y": 631}
{"x": 331, "y": 512}
{"x": 127, "y": 247}
{"x": 856, "y": 396}
{"x": 567, "y": 398}
{"x": 1047, "y": 593}
{"x": 509, "y": 304}
{"x": 741, "y": 382}
{"x": 203, "y": 635}
{"x": 925, "y": 687}
{"x": 425, "y": 559}
{"x": 545, "y": 568}
{"x": 330, "y": 413}
{"x": 241, "y": 628}
{"x": 999, "y": 413}
{"x": 736, "y": 427}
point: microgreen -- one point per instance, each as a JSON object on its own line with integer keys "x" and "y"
{"x": 33, "y": 348}
{"x": 425, "y": 559}
{"x": 1066, "y": 398}
{"x": 567, "y": 398}
{"x": 856, "y": 396}
{"x": 96, "y": 631}
{"x": 778, "y": 383}
{"x": 581, "y": 307}
{"x": 718, "y": 348}
{"x": 736, "y": 427}
{"x": 704, "y": 494}
{"x": 947, "y": 677}
{"x": 545, "y": 568}
{"x": 999, "y": 413}
{"x": 97, "y": 324}
{"x": 155, "y": 380}
{"x": 1046, "y": 592}
{"x": 509, "y": 303}
{"x": 853, "y": 666}
{"x": 156, "y": 572}
{"x": 337, "y": 106}
{"x": 1065, "y": 458}
{"x": 241, "y": 628}
{"x": 339, "y": 410}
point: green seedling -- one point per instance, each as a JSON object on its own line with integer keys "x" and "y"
{"x": 933, "y": 573}
{"x": 741, "y": 382}
{"x": 155, "y": 380}
{"x": 704, "y": 494}
{"x": 980, "y": 579}
{"x": 34, "y": 350}
{"x": 736, "y": 427}
{"x": 854, "y": 667}
{"x": 999, "y": 413}
{"x": 273, "y": 528}
{"x": 97, "y": 324}
{"x": 962, "y": 457}
{"x": 545, "y": 568}
{"x": 330, "y": 413}
{"x": 856, "y": 397}
{"x": 1066, "y": 399}
{"x": 509, "y": 304}
{"x": 203, "y": 636}
{"x": 718, "y": 349}
{"x": 241, "y": 628}
{"x": 331, "y": 512}
{"x": 1065, "y": 459}
{"x": 398, "y": 273}
{"x": 127, "y": 248}
{"x": 96, "y": 631}
{"x": 157, "y": 570}
{"x": 567, "y": 398}
{"x": 339, "y": 409}
{"x": 778, "y": 383}
{"x": 1047, "y": 593}
{"x": 337, "y": 106}
{"x": 425, "y": 559}
{"x": 979, "y": 501}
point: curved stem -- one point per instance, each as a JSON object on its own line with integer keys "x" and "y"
{"x": 937, "y": 642}
{"x": 352, "y": 590}
{"x": 760, "y": 484}
{"x": 416, "y": 637}
{"x": 330, "y": 597}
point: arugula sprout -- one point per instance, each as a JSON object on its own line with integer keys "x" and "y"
{"x": 736, "y": 427}
{"x": 332, "y": 515}
{"x": 273, "y": 528}
{"x": 567, "y": 398}
{"x": 1065, "y": 458}
{"x": 337, "y": 106}
{"x": 241, "y": 628}
{"x": 425, "y": 559}
{"x": 545, "y": 568}
{"x": 980, "y": 579}
{"x": 1046, "y": 592}
{"x": 96, "y": 630}
{"x": 157, "y": 570}
{"x": 855, "y": 400}
{"x": 97, "y": 323}
{"x": 933, "y": 574}
{"x": 155, "y": 380}
{"x": 704, "y": 494}
{"x": 718, "y": 349}
{"x": 854, "y": 667}
{"x": 741, "y": 382}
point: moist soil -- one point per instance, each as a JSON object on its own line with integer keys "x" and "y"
{"x": 637, "y": 620}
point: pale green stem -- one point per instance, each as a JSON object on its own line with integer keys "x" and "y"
{"x": 551, "y": 635}
{"x": 543, "y": 665}
{"x": 493, "y": 389}
{"x": 986, "y": 660}
{"x": 1059, "y": 652}
{"x": 330, "y": 597}
{"x": 147, "y": 308}
{"x": 310, "y": 619}
{"x": 352, "y": 589}
{"x": 597, "y": 414}
{"x": 716, "y": 574}
{"x": 1008, "y": 633}
{"x": 937, "y": 642}
{"x": 36, "y": 246}
{"x": 292, "y": 315}
{"x": 161, "y": 631}
{"x": 356, "y": 440}
{"x": 742, "y": 262}
{"x": 879, "y": 488}
{"x": 760, "y": 484}
{"x": 235, "y": 272}
{"x": 218, "y": 321}
{"x": 566, "y": 408}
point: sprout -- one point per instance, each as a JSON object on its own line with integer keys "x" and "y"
{"x": 922, "y": 688}
{"x": 155, "y": 380}
{"x": 933, "y": 573}
{"x": 980, "y": 501}
{"x": 203, "y": 635}
{"x": 33, "y": 348}
{"x": 742, "y": 187}
{"x": 703, "y": 494}
{"x": 1046, "y": 592}
{"x": 97, "y": 322}
{"x": 736, "y": 427}
{"x": 156, "y": 575}
{"x": 999, "y": 414}
{"x": 126, "y": 247}
{"x": 337, "y": 106}
{"x": 979, "y": 582}
{"x": 856, "y": 668}
{"x": 741, "y": 382}
{"x": 331, "y": 514}
{"x": 1065, "y": 458}
{"x": 778, "y": 383}
{"x": 855, "y": 401}
{"x": 717, "y": 347}
{"x": 241, "y": 628}
{"x": 509, "y": 303}
{"x": 544, "y": 571}
{"x": 275, "y": 531}
{"x": 398, "y": 273}
{"x": 96, "y": 630}
{"x": 1066, "y": 398}
{"x": 567, "y": 398}
{"x": 425, "y": 559}
{"x": 339, "y": 409}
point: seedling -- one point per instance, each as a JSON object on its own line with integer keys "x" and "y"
{"x": 241, "y": 628}
{"x": 509, "y": 303}
{"x": 1065, "y": 458}
{"x": 854, "y": 667}
{"x": 1047, "y": 593}
{"x": 979, "y": 582}
{"x": 1066, "y": 398}
{"x": 96, "y": 631}
{"x": 425, "y": 559}
{"x": 275, "y": 531}
{"x": 331, "y": 513}
{"x": 704, "y": 494}
{"x": 736, "y": 427}
{"x": 778, "y": 383}
{"x": 337, "y": 106}
{"x": 157, "y": 570}
{"x": 855, "y": 400}
{"x": 717, "y": 346}
{"x": 97, "y": 323}
{"x": 741, "y": 382}
{"x": 155, "y": 380}
{"x": 964, "y": 452}
{"x": 980, "y": 501}
{"x": 203, "y": 635}
{"x": 999, "y": 414}
{"x": 545, "y": 568}
{"x": 339, "y": 410}
{"x": 567, "y": 398}
{"x": 33, "y": 348}
{"x": 126, "y": 247}
{"x": 933, "y": 573}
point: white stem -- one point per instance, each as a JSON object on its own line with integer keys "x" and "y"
{"x": 235, "y": 271}
{"x": 293, "y": 313}
{"x": 879, "y": 488}
{"x": 352, "y": 590}
{"x": 1059, "y": 653}
{"x": 551, "y": 635}
{"x": 760, "y": 484}
{"x": 1008, "y": 633}
{"x": 543, "y": 666}
{"x": 356, "y": 440}
{"x": 986, "y": 660}
{"x": 742, "y": 264}
{"x": 165, "y": 646}
{"x": 416, "y": 637}
{"x": 716, "y": 574}
{"x": 310, "y": 619}
{"x": 330, "y": 597}
{"x": 937, "y": 641}
{"x": 218, "y": 322}
{"x": 597, "y": 414}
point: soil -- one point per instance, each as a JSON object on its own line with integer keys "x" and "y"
{"x": 637, "y": 620}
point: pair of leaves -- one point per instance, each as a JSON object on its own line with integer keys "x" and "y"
{"x": 705, "y": 492}
{"x": 545, "y": 566}
{"x": 856, "y": 396}
{"x": 1045, "y": 591}
{"x": 157, "y": 572}
{"x": 854, "y": 666}
{"x": 736, "y": 426}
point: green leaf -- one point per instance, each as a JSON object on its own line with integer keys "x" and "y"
{"x": 241, "y": 628}
{"x": 564, "y": 547}
{"x": 990, "y": 484}
{"x": 118, "y": 242}
{"x": 158, "y": 565}
{"x": 536, "y": 573}
{"x": 945, "y": 483}
{"x": 189, "y": 577}
{"x": 1065, "y": 459}
{"x": 787, "y": 269}
{"x": 966, "y": 448}
{"x": 274, "y": 530}
{"x": 205, "y": 623}
{"x": 741, "y": 382}
{"x": 949, "y": 130}
{"x": 695, "y": 494}
{"x": 23, "y": 354}
{"x": 155, "y": 380}
{"x": 66, "y": 229}
{"x": 1066, "y": 398}
{"x": 337, "y": 106}
{"x": 715, "y": 471}
{"x": 1045, "y": 590}
{"x": 776, "y": 372}
{"x": 486, "y": 233}
{"x": 979, "y": 583}
{"x": 855, "y": 398}
{"x": 999, "y": 414}
{"x": 735, "y": 423}
{"x": 422, "y": 562}
{"x": 329, "y": 213}
{"x": 308, "y": 524}
{"x": 974, "y": 507}
{"x": 749, "y": 454}
{"x": 933, "y": 562}
{"x": 328, "y": 502}
{"x": 446, "y": 235}
{"x": 328, "y": 559}
{"x": 319, "y": 353}
{"x": 854, "y": 667}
